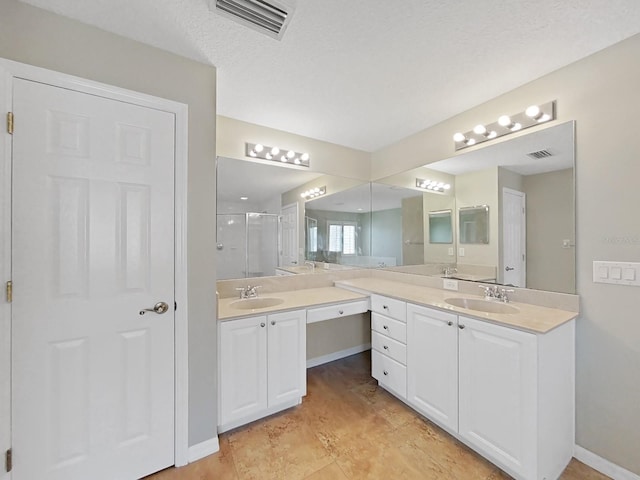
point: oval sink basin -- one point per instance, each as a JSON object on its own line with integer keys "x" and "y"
{"x": 479, "y": 305}
{"x": 258, "y": 302}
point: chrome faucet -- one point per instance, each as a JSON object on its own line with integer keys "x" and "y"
{"x": 448, "y": 270}
{"x": 312, "y": 265}
{"x": 495, "y": 293}
{"x": 248, "y": 291}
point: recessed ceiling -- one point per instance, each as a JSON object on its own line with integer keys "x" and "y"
{"x": 367, "y": 73}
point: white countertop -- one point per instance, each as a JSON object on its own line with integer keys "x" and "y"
{"x": 292, "y": 300}
{"x": 531, "y": 318}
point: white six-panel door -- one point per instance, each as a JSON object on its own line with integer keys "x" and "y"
{"x": 289, "y": 235}
{"x": 93, "y": 244}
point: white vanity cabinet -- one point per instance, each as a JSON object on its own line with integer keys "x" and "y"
{"x": 507, "y": 393}
{"x": 388, "y": 342}
{"x": 432, "y": 383}
{"x": 262, "y": 366}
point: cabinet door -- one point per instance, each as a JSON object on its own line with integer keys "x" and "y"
{"x": 243, "y": 368}
{"x": 287, "y": 356}
{"x": 498, "y": 390}
{"x": 432, "y": 364}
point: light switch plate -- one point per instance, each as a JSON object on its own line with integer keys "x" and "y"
{"x": 449, "y": 284}
{"x": 618, "y": 273}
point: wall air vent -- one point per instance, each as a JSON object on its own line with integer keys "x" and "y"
{"x": 264, "y": 17}
{"x": 540, "y": 154}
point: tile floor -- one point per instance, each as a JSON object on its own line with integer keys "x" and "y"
{"x": 346, "y": 428}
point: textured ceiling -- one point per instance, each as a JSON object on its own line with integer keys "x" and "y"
{"x": 367, "y": 73}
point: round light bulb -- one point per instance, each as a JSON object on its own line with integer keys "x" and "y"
{"x": 302, "y": 195}
{"x": 291, "y": 154}
{"x": 258, "y": 148}
{"x": 516, "y": 127}
{"x": 504, "y": 120}
{"x": 304, "y": 157}
{"x": 492, "y": 134}
{"x": 275, "y": 151}
{"x": 471, "y": 141}
{"x": 283, "y": 158}
{"x": 268, "y": 156}
{"x": 458, "y": 137}
{"x": 533, "y": 111}
{"x": 446, "y": 186}
{"x": 544, "y": 118}
{"x": 479, "y": 129}
{"x": 253, "y": 154}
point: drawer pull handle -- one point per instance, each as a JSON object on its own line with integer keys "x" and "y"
{"x": 385, "y": 347}
{"x": 385, "y": 327}
{"x": 262, "y": 324}
{"x": 273, "y": 322}
{"x": 461, "y": 327}
{"x": 385, "y": 372}
{"x": 340, "y": 312}
{"x": 449, "y": 323}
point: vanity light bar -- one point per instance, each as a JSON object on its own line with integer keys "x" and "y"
{"x": 506, "y": 124}
{"x": 276, "y": 154}
{"x": 432, "y": 185}
{"x": 313, "y": 193}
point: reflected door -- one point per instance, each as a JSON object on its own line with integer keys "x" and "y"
{"x": 513, "y": 238}
{"x": 289, "y": 235}
{"x": 93, "y": 244}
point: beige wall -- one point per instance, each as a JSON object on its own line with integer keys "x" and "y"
{"x": 34, "y": 36}
{"x": 473, "y": 189}
{"x": 324, "y": 338}
{"x": 550, "y": 219}
{"x": 601, "y": 94}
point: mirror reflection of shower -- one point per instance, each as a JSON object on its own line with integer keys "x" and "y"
{"x": 247, "y": 244}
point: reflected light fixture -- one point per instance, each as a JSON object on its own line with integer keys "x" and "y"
{"x": 275, "y": 154}
{"x": 432, "y": 185}
{"x": 313, "y": 193}
{"x": 506, "y": 124}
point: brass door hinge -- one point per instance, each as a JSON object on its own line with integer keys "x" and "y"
{"x": 9, "y": 291}
{"x": 8, "y": 461}
{"x": 10, "y": 123}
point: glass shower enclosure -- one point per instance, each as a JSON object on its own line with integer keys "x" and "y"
{"x": 247, "y": 245}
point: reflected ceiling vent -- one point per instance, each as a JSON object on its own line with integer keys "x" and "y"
{"x": 540, "y": 154}
{"x": 265, "y": 17}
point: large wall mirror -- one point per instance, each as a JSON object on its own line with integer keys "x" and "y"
{"x": 513, "y": 213}
{"x": 522, "y": 189}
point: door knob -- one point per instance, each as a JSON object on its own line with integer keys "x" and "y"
{"x": 508, "y": 269}
{"x": 159, "y": 308}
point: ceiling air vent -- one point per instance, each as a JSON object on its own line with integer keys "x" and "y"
{"x": 264, "y": 17}
{"x": 540, "y": 154}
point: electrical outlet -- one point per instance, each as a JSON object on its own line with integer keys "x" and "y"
{"x": 450, "y": 251}
{"x": 449, "y": 284}
{"x": 461, "y": 252}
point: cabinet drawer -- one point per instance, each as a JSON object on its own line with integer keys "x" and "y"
{"x": 389, "y": 373}
{"x": 390, "y": 347}
{"x": 334, "y": 311}
{"x": 388, "y": 306}
{"x": 389, "y": 327}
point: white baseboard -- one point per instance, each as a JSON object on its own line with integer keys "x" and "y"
{"x": 203, "y": 449}
{"x": 602, "y": 465}
{"x": 314, "y": 362}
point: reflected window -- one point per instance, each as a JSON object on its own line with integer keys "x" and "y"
{"x": 342, "y": 238}
{"x": 313, "y": 239}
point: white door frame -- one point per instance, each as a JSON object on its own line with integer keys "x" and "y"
{"x": 10, "y": 70}
{"x": 523, "y": 238}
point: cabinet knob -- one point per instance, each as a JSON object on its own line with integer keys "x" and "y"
{"x": 385, "y": 372}
{"x": 386, "y": 307}
{"x": 449, "y": 323}
{"x": 340, "y": 312}
{"x": 461, "y": 327}
{"x": 385, "y": 347}
{"x": 385, "y": 327}
{"x": 262, "y": 324}
{"x": 273, "y": 322}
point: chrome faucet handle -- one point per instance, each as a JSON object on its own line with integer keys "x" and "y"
{"x": 503, "y": 294}
{"x": 488, "y": 292}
